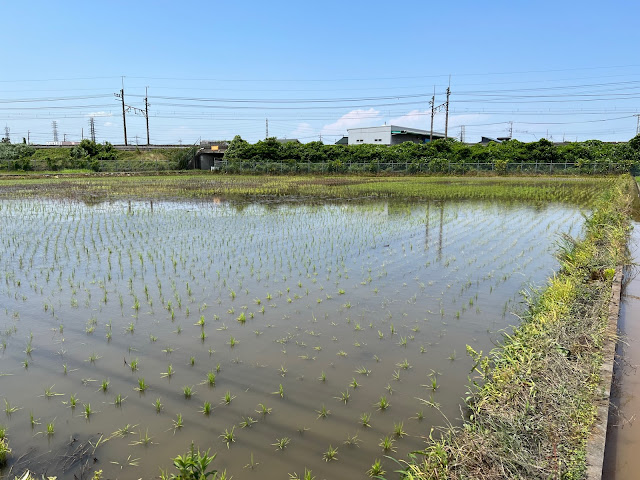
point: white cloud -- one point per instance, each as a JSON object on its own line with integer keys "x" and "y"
{"x": 303, "y": 130}
{"x": 108, "y": 124}
{"x": 353, "y": 119}
{"x": 99, "y": 114}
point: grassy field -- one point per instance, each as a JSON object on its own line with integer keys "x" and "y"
{"x": 193, "y": 186}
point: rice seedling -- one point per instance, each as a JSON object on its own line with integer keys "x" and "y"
{"x": 344, "y": 396}
{"x": 247, "y": 422}
{"x": 87, "y": 411}
{"x": 227, "y": 398}
{"x": 330, "y": 455}
{"x": 144, "y": 440}
{"x": 387, "y": 444}
{"x": 263, "y": 410}
{"x": 124, "y": 431}
{"x": 93, "y": 357}
{"x": 104, "y": 386}
{"x": 398, "y": 429}
{"x": 118, "y": 400}
{"x": 365, "y": 419}
{"x": 376, "y": 469}
{"x": 133, "y": 364}
{"x": 192, "y": 361}
{"x": 279, "y": 392}
{"x": 177, "y": 423}
{"x": 211, "y": 379}
{"x": 308, "y": 475}
{"x": 405, "y": 365}
{"x": 51, "y": 428}
{"x": 142, "y": 385}
{"x": 281, "y": 443}
{"x": 32, "y": 420}
{"x": 396, "y": 375}
{"x": 232, "y": 342}
{"x": 228, "y": 436}
{"x": 363, "y": 371}
{"x": 169, "y": 373}
{"x": 8, "y": 409}
{"x": 354, "y": 383}
{"x": 322, "y": 377}
{"x": 206, "y": 408}
{"x": 158, "y": 405}
{"x": 323, "y": 412}
{"x": 383, "y": 403}
{"x": 252, "y": 464}
{"x": 352, "y": 440}
{"x": 187, "y": 391}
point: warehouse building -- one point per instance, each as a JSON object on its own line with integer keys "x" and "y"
{"x": 389, "y": 135}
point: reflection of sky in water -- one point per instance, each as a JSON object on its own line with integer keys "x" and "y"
{"x": 350, "y": 286}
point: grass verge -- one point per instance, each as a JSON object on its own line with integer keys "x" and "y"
{"x": 532, "y": 405}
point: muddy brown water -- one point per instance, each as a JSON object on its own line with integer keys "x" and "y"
{"x": 386, "y": 294}
{"x": 623, "y": 434}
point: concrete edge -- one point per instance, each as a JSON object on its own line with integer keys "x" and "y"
{"x": 598, "y": 437}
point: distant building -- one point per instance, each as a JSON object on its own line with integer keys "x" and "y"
{"x": 389, "y": 135}
{"x": 343, "y": 141}
{"x": 287, "y": 140}
{"x": 487, "y": 140}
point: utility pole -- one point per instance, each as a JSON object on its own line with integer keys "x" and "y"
{"x": 638, "y": 124}
{"x": 146, "y": 111}
{"x": 92, "y": 129}
{"x": 7, "y": 133}
{"x": 433, "y": 112}
{"x": 446, "y": 120}
{"x": 510, "y": 130}
{"x": 267, "y": 128}
{"x": 124, "y": 117}
{"x": 462, "y": 133}
{"x": 54, "y": 125}
{"x": 28, "y": 139}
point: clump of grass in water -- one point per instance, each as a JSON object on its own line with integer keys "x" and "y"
{"x": 387, "y": 444}
{"x": 206, "y": 408}
{"x": 228, "y": 397}
{"x": 331, "y": 454}
{"x": 169, "y": 373}
{"x": 263, "y": 410}
{"x": 365, "y": 418}
{"x": 383, "y": 403}
{"x": 228, "y": 436}
{"x": 279, "y": 392}
{"x": 376, "y": 469}
{"x": 323, "y": 412}
{"x": 188, "y": 391}
{"x": 281, "y": 443}
{"x": 142, "y": 385}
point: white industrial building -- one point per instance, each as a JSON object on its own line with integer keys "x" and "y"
{"x": 389, "y": 135}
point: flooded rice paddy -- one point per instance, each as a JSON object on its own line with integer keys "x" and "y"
{"x": 271, "y": 333}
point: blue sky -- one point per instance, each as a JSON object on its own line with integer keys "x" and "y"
{"x": 216, "y": 69}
